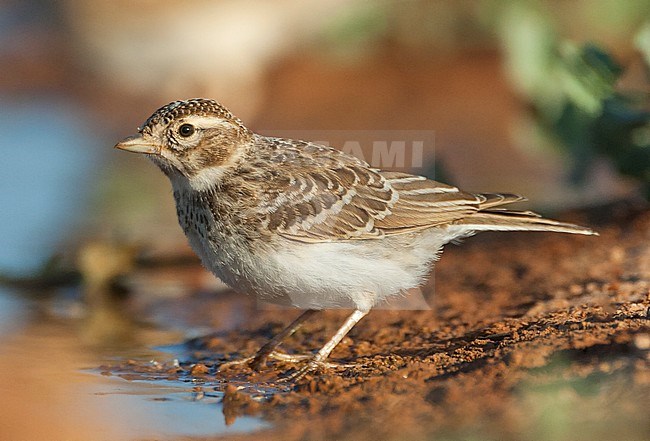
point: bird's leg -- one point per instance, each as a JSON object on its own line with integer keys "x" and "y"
{"x": 320, "y": 357}
{"x": 268, "y": 350}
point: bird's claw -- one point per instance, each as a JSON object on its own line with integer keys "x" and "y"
{"x": 231, "y": 363}
{"x": 312, "y": 365}
{"x": 258, "y": 361}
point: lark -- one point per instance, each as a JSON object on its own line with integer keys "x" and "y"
{"x": 305, "y": 225}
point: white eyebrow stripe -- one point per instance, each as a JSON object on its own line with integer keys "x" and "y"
{"x": 205, "y": 122}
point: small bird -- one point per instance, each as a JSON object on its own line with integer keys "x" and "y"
{"x": 300, "y": 224}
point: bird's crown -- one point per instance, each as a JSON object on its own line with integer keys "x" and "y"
{"x": 195, "y": 106}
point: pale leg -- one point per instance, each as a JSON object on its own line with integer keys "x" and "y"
{"x": 325, "y": 351}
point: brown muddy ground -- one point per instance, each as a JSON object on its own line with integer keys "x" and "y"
{"x": 530, "y": 336}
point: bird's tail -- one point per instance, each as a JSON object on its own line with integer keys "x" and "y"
{"x": 491, "y": 218}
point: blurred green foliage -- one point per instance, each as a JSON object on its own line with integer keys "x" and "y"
{"x": 584, "y": 395}
{"x": 357, "y": 25}
{"x": 574, "y": 91}
{"x": 596, "y": 119}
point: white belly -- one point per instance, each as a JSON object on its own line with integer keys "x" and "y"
{"x": 353, "y": 274}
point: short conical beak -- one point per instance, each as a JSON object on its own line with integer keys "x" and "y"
{"x": 136, "y": 144}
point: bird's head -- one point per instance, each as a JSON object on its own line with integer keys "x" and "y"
{"x": 195, "y": 141}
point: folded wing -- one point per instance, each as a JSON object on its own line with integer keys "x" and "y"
{"x": 334, "y": 196}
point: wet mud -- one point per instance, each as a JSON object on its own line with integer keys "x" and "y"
{"x": 529, "y": 336}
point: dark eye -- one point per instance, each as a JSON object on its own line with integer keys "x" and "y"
{"x": 186, "y": 130}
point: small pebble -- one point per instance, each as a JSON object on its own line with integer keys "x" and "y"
{"x": 642, "y": 341}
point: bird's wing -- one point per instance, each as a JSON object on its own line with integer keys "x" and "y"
{"x": 326, "y": 195}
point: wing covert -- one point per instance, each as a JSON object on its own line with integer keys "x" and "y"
{"x": 326, "y": 195}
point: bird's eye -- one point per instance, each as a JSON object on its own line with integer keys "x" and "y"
{"x": 186, "y": 130}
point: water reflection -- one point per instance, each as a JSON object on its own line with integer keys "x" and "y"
{"x": 49, "y": 393}
{"x": 160, "y": 412}
{"x": 11, "y": 313}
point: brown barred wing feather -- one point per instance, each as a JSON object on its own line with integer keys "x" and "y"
{"x": 329, "y": 195}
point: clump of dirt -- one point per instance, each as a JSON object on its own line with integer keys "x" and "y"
{"x": 542, "y": 336}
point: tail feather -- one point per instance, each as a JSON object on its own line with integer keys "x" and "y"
{"x": 503, "y": 220}
{"x": 491, "y": 216}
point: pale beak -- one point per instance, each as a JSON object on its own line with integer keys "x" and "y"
{"x": 136, "y": 144}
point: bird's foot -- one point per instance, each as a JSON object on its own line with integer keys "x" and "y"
{"x": 314, "y": 364}
{"x": 238, "y": 362}
{"x": 258, "y": 361}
